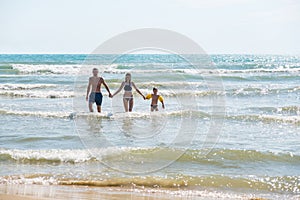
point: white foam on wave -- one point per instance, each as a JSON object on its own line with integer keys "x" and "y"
{"x": 295, "y": 119}
{"x": 204, "y": 71}
{"x": 30, "y": 179}
{"x": 37, "y": 93}
{"x": 139, "y": 115}
{"x": 116, "y": 116}
{"x": 259, "y": 70}
{"x": 262, "y": 90}
{"x": 26, "y": 91}
{"x": 47, "y": 69}
{"x": 35, "y": 113}
{"x": 112, "y": 69}
{"x": 191, "y": 93}
{"x": 9, "y": 86}
{"x": 61, "y": 155}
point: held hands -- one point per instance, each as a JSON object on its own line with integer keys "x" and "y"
{"x": 163, "y": 106}
{"x": 110, "y": 95}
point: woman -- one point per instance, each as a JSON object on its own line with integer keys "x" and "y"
{"x": 128, "y": 97}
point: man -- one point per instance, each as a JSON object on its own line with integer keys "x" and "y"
{"x": 94, "y": 95}
{"x": 155, "y": 98}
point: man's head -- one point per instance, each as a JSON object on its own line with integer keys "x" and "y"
{"x": 155, "y": 90}
{"x": 95, "y": 72}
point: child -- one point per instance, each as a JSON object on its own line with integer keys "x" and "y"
{"x": 155, "y": 99}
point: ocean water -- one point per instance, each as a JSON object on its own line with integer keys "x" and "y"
{"x": 239, "y": 132}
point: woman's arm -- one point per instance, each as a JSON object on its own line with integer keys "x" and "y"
{"x": 138, "y": 91}
{"x": 119, "y": 90}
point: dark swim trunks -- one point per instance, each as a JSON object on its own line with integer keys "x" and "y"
{"x": 96, "y": 97}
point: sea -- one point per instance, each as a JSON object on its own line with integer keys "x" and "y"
{"x": 231, "y": 123}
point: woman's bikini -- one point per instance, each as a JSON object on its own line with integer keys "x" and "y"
{"x": 128, "y": 88}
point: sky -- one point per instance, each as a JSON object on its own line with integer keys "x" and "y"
{"x": 218, "y": 26}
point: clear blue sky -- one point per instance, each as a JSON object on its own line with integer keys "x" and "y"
{"x": 219, "y": 26}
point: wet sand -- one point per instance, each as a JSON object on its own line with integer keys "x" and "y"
{"x": 42, "y": 192}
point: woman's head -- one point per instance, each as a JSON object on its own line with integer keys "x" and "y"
{"x": 127, "y": 77}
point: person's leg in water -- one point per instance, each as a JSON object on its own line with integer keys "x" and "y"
{"x": 91, "y": 101}
{"x": 98, "y": 99}
{"x": 131, "y": 104}
{"x": 91, "y": 107}
{"x": 125, "y": 102}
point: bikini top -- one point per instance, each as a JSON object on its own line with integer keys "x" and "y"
{"x": 128, "y": 87}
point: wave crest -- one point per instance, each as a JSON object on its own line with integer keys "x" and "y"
{"x": 215, "y": 157}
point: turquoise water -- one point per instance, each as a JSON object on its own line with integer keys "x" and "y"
{"x": 47, "y": 135}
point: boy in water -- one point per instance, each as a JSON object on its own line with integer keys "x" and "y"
{"x": 155, "y": 98}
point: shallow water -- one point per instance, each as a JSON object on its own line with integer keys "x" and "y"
{"x": 48, "y": 137}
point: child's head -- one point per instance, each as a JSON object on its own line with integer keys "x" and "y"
{"x": 155, "y": 90}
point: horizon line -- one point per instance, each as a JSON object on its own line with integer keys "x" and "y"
{"x": 216, "y": 53}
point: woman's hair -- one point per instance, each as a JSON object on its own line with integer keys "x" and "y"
{"x": 128, "y": 74}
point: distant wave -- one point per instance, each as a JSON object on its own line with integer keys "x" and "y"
{"x": 259, "y": 70}
{"x": 169, "y": 89}
{"x": 205, "y": 71}
{"x": 29, "y": 91}
{"x": 46, "y": 69}
{"x": 36, "y": 93}
{"x": 266, "y": 118}
{"x": 16, "y": 86}
{"x": 289, "y": 109}
{"x": 261, "y": 90}
{"x": 115, "y": 69}
{"x": 242, "y": 91}
{"x": 35, "y": 113}
{"x": 72, "y": 115}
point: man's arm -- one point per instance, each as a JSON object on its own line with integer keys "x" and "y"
{"x": 88, "y": 89}
{"x": 106, "y": 87}
{"x": 138, "y": 91}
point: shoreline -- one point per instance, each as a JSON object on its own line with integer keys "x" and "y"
{"x": 49, "y": 192}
